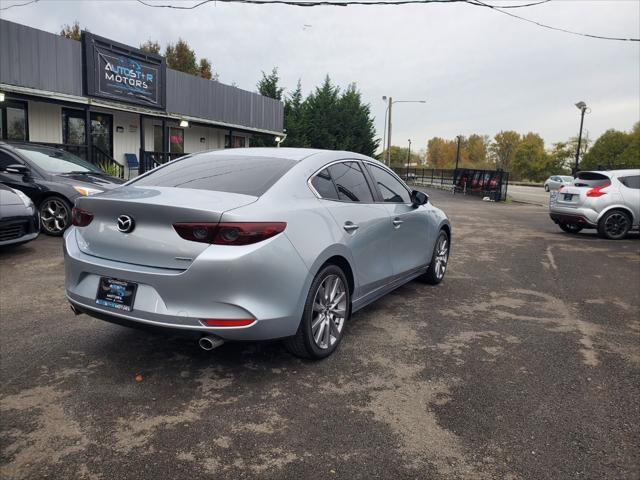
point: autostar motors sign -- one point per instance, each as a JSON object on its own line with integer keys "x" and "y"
{"x": 122, "y": 73}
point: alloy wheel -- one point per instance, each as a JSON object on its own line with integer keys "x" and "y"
{"x": 616, "y": 224}
{"x": 442, "y": 256}
{"x": 329, "y": 311}
{"x": 55, "y": 215}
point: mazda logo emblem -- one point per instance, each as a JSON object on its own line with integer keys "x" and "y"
{"x": 126, "y": 223}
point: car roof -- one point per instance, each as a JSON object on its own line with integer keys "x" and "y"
{"x": 296, "y": 154}
{"x": 617, "y": 173}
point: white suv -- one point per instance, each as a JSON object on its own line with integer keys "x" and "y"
{"x": 608, "y": 201}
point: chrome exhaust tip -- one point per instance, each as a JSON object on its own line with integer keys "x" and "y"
{"x": 75, "y": 309}
{"x": 210, "y": 342}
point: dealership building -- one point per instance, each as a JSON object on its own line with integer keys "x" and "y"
{"x": 116, "y": 105}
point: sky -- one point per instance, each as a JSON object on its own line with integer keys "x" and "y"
{"x": 479, "y": 71}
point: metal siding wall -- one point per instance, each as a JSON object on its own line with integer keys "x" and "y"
{"x": 197, "y": 97}
{"x": 36, "y": 59}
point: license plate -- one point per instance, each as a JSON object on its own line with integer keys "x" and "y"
{"x": 568, "y": 197}
{"x": 114, "y": 293}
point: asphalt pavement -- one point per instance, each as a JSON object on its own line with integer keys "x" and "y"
{"x": 523, "y": 364}
{"x": 524, "y": 194}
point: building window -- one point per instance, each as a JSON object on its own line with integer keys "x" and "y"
{"x": 14, "y": 121}
{"x": 176, "y": 140}
{"x": 73, "y": 132}
{"x": 234, "y": 141}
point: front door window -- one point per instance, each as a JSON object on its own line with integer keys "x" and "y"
{"x": 102, "y": 132}
{"x": 176, "y": 140}
{"x": 13, "y": 121}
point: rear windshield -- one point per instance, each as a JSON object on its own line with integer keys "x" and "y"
{"x": 234, "y": 174}
{"x": 591, "y": 179}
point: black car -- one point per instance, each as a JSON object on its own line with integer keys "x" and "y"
{"x": 53, "y": 179}
{"x": 19, "y": 221}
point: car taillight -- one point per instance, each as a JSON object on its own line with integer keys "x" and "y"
{"x": 561, "y": 187}
{"x": 229, "y": 233}
{"x": 597, "y": 191}
{"x": 216, "y": 322}
{"x": 80, "y": 217}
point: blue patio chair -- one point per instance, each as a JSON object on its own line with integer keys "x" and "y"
{"x": 132, "y": 162}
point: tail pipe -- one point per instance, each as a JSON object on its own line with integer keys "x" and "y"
{"x": 75, "y": 310}
{"x": 209, "y": 342}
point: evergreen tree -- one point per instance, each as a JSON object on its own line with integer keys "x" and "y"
{"x": 293, "y": 118}
{"x": 268, "y": 85}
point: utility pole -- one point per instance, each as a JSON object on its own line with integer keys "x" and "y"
{"x": 458, "y": 151}
{"x": 583, "y": 108}
{"x": 389, "y": 134}
{"x": 408, "y": 160}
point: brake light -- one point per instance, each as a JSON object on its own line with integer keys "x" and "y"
{"x": 561, "y": 187}
{"x": 597, "y": 191}
{"x": 229, "y": 233}
{"x": 80, "y": 217}
{"x": 214, "y": 322}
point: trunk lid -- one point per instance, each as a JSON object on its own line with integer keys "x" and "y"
{"x": 152, "y": 241}
{"x": 569, "y": 196}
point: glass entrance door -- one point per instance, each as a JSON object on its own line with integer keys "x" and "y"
{"x": 73, "y": 131}
{"x": 102, "y": 132}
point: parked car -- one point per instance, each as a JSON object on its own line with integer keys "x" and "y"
{"x": 554, "y": 182}
{"x": 253, "y": 244}
{"x": 608, "y": 201}
{"x": 19, "y": 221}
{"x": 53, "y": 179}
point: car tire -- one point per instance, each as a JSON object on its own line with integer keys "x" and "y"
{"x": 570, "y": 227}
{"x": 321, "y": 328}
{"x": 55, "y": 215}
{"x": 546, "y": 188}
{"x": 614, "y": 225}
{"x": 439, "y": 260}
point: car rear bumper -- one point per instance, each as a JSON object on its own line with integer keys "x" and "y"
{"x": 264, "y": 282}
{"x": 572, "y": 218}
{"x": 19, "y": 229}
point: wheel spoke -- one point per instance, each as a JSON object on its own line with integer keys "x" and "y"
{"x": 338, "y": 311}
{"x": 320, "y": 333}
{"x": 334, "y": 288}
{"x": 334, "y": 329}
{"x": 338, "y": 299}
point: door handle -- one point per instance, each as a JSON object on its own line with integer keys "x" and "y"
{"x": 397, "y": 222}
{"x": 350, "y": 227}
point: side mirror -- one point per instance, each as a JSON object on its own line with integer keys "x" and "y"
{"x": 419, "y": 198}
{"x": 17, "y": 169}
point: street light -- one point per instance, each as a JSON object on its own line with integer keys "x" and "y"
{"x": 583, "y": 109}
{"x": 408, "y": 160}
{"x": 388, "y": 112}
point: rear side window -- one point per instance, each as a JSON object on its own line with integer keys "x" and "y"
{"x": 234, "y": 174}
{"x": 631, "y": 182}
{"x": 391, "y": 189}
{"x": 350, "y": 181}
{"x": 591, "y": 179}
{"x": 324, "y": 185}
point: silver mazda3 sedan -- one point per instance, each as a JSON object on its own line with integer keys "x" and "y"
{"x": 252, "y": 244}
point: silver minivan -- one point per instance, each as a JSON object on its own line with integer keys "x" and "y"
{"x": 608, "y": 201}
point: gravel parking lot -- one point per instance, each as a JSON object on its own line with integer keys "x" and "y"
{"x": 523, "y": 364}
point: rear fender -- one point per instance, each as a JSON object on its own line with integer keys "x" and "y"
{"x": 622, "y": 207}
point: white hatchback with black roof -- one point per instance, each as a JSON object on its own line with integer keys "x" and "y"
{"x": 608, "y": 201}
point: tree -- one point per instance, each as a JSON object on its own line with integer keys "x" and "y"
{"x": 357, "y": 132}
{"x": 441, "y": 153}
{"x": 72, "y": 32}
{"x": 631, "y": 155}
{"x": 268, "y": 85}
{"x": 503, "y": 148}
{"x": 399, "y": 157}
{"x": 293, "y": 122}
{"x": 607, "y": 151}
{"x": 320, "y": 116}
{"x": 530, "y": 159}
{"x": 150, "y": 46}
{"x": 476, "y": 151}
{"x": 204, "y": 69}
{"x": 181, "y": 57}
